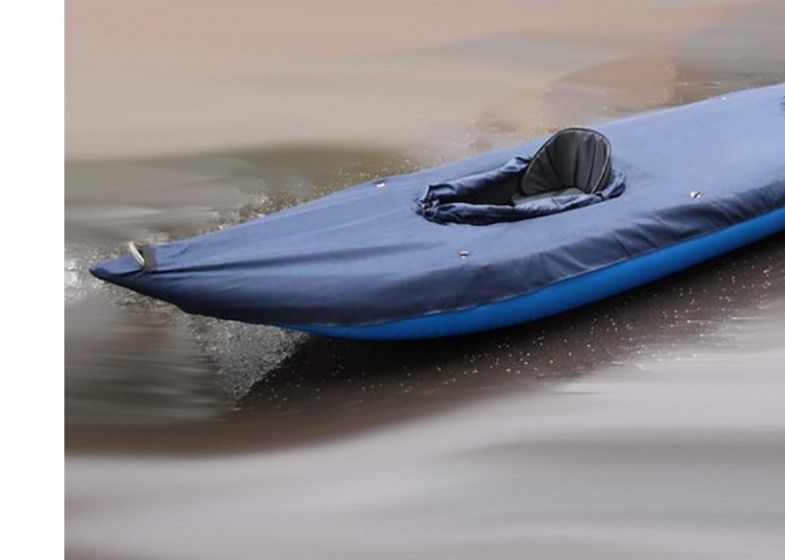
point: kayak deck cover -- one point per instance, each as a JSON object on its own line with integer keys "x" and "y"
{"x": 699, "y": 180}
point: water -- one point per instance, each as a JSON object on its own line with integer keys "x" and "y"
{"x": 648, "y": 425}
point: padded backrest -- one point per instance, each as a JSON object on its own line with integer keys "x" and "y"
{"x": 576, "y": 158}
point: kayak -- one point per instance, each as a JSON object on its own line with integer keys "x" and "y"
{"x": 497, "y": 239}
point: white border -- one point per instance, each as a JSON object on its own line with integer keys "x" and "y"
{"x": 31, "y": 394}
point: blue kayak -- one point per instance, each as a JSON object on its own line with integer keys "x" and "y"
{"x": 494, "y": 240}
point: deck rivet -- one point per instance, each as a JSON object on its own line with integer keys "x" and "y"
{"x": 695, "y": 194}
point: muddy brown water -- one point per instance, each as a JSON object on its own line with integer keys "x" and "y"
{"x": 649, "y": 425}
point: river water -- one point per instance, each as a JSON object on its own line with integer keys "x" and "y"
{"x": 649, "y": 425}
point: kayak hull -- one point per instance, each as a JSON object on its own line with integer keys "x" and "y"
{"x": 567, "y": 294}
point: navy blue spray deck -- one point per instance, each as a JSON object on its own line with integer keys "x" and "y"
{"x": 700, "y": 179}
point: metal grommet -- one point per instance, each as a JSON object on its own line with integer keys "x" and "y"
{"x": 695, "y": 194}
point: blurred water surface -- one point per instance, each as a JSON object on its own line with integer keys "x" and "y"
{"x": 648, "y": 425}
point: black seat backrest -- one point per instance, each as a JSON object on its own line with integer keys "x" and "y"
{"x": 573, "y": 158}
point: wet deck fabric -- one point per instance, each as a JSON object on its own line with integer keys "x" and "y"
{"x": 364, "y": 255}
